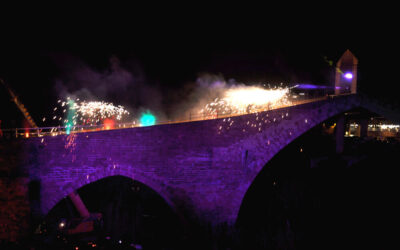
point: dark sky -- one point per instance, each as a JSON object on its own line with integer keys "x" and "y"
{"x": 168, "y": 55}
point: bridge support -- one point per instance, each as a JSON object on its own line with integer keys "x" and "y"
{"x": 340, "y": 135}
{"x": 79, "y": 205}
{"x": 363, "y": 128}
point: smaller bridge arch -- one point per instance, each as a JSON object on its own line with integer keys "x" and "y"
{"x": 90, "y": 177}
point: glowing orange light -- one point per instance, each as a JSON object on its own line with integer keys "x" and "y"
{"x": 109, "y": 124}
{"x": 26, "y": 135}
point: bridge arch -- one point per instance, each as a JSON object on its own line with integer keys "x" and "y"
{"x": 319, "y": 200}
{"x": 91, "y": 177}
{"x": 268, "y": 172}
{"x": 132, "y": 212}
{"x": 262, "y": 147}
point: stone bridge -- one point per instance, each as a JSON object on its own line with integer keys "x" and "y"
{"x": 202, "y": 169}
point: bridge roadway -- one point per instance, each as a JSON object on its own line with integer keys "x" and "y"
{"x": 202, "y": 169}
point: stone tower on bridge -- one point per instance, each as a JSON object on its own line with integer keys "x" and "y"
{"x": 346, "y": 74}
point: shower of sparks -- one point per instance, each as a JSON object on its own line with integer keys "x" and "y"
{"x": 75, "y": 112}
{"x": 83, "y": 116}
{"x": 244, "y": 100}
{"x": 101, "y": 110}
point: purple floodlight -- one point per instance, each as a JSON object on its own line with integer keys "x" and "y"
{"x": 348, "y": 76}
{"x": 309, "y": 86}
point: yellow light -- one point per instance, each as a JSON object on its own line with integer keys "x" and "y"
{"x": 241, "y": 100}
{"x": 254, "y": 95}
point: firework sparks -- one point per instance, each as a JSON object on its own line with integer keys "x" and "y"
{"x": 76, "y": 113}
{"x": 82, "y": 116}
{"x": 100, "y": 110}
{"x": 244, "y": 100}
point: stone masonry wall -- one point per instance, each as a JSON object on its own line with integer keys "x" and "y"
{"x": 14, "y": 202}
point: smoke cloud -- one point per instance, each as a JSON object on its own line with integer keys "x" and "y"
{"x": 126, "y": 84}
{"x": 204, "y": 90}
{"x": 121, "y": 84}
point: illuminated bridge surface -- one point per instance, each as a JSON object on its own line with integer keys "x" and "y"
{"x": 202, "y": 169}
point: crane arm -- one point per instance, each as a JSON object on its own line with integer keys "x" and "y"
{"x": 20, "y": 106}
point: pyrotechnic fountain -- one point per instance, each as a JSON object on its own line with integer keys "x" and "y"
{"x": 75, "y": 114}
{"x": 147, "y": 119}
{"x": 242, "y": 100}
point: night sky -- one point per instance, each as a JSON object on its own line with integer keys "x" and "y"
{"x": 165, "y": 57}
{"x": 152, "y": 59}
